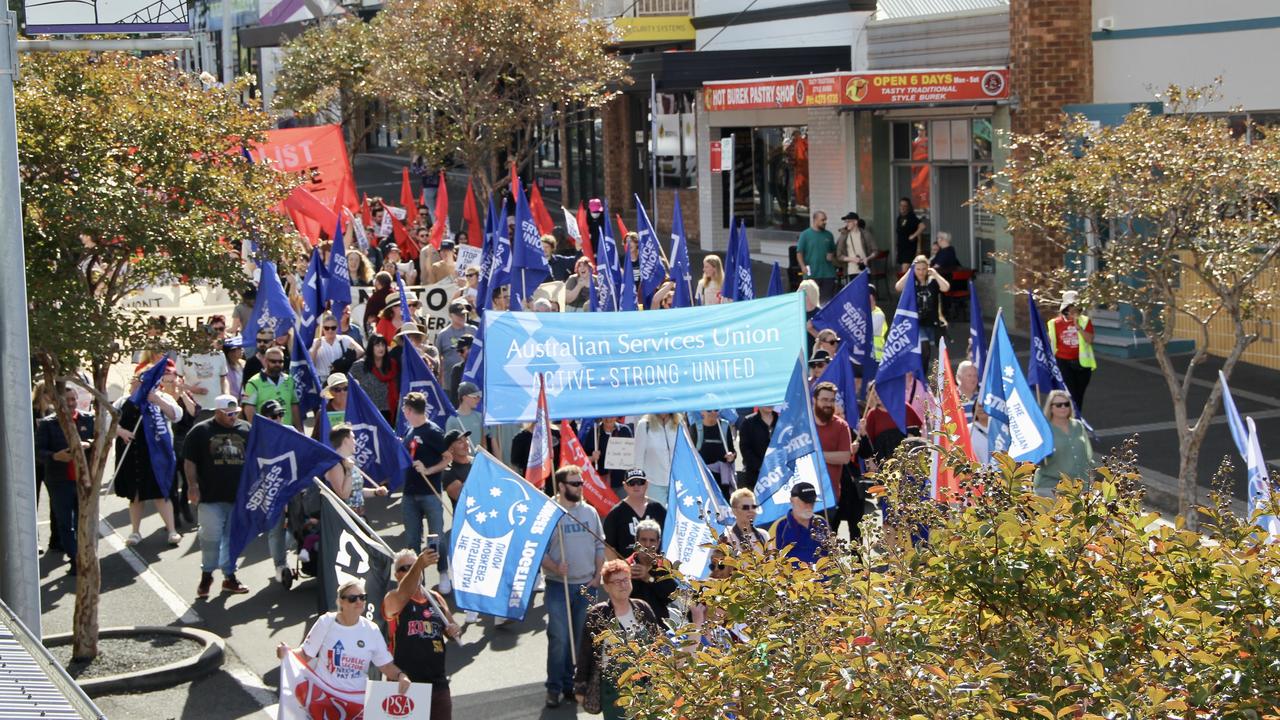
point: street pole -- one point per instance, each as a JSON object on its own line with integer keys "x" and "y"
{"x": 19, "y": 571}
{"x": 228, "y": 73}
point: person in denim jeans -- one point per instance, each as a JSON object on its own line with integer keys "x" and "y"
{"x": 573, "y": 558}
{"x": 422, "y": 490}
{"x": 213, "y": 458}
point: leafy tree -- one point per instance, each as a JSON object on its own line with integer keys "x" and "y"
{"x": 481, "y": 76}
{"x": 322, "y": 73}
{"x": 132, "y": 178}
{"x": 1188, "y": 215}
{"x": 1017, "y": 606}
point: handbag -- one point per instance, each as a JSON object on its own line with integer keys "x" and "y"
{"x": 591, "y": 702}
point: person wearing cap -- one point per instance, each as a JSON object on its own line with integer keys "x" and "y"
{"x": 213, "y": 458}
{"x": 855, "y": 245}
{"x": 468, "y": 419}
{"x": 818, "y": 364}
{"x": 1071, "y": 337}
{"x": 453, "y": 478}
{"x": 233, "y": 356}
{"x": 273, "y": 383}
{"x": 135, "y": 474}
{"x": 446, "y": 338}
{"x": 816, "y": 252}
{"x": 463, "y": 345}
{"x": 595, "y": 217}
{"x": 929, "y": 288}
{"x": 624, "y": 518}
{"x": 335, "y": 401}
{"x": 446, "y": 267}
{"x": 804, "y": 530}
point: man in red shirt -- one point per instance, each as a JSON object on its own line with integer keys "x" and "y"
{"x": 838, "y": 447}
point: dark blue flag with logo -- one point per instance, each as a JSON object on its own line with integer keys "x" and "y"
{"x": 279, "y": 463}
{"x": 741, "y": 285}
{"x": 271, "y": 309}
{"x": 842, "y": 374}
{"x": 901, "y": 356}
{"x": 484, "y": 292}
{"x": 1043, "y": 372}
{"x": 306, "y": 382}
{"x": 500, "y": 532}
{"x": 605, "y": 285}
{"x": 730, "y": 259}
{"x": 415, "y": 376}
{"x": 794, "y": 455}
{"x": 502, "y": 253}
{"x": 312, "y": 305}
{"x": 473, "y": 371}
{"x": 977, "y": 333}
{"x": 849, "y": 315}
{"x": 164, "y": 461}
{"x": 337, "y": 289}
{"x": 379, "y": 453}
{"x": 652, "y": 274}
{"x": 775, "y": 280}
{"x": 627, "y": 293}
{"x": 610, "y": 256}
{"x": 681, "y": 272}
{"x": 529, "y": 267}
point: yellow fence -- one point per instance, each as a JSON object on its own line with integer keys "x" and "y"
{"x": 1265, "y": 351}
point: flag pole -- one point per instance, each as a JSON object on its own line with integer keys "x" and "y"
{"x": 568, "y": 605}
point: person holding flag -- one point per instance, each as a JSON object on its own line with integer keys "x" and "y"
{"x": 1016, "y": 426}
{"x": 838, "y": 450}
{"x": 423, "y": 490}
{"x": 418, "y": 623}
{"x": 927, "y": 286}
{"x": 794, "y": 456}
{"x": 901, "y": 355}
{"x": 145, "y": 466}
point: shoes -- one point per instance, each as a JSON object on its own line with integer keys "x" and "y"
{"x": 206, "y": 582}
{"x": 233, "y": 586}
{"x": 500, "y": 621}
{"x": 446, "y": 585}
{"x": 285, "y": 575}
{"x": 471, "y": 617}
{"x": 569, "y": 697}
{"x": 133, "y": 539}
{"x": 174, "y": 539}
{"x": 553, "y": 699}
{"x": 540, "y": 585}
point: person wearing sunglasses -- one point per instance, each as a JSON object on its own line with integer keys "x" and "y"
{"x": 621, "y": 523}
{"x": 418, "y": 621}
{"x": 651, "y": 579}
{"x": 330, "y": 345}
{"x": 334, "y": 395}
{"x": 1072, "y": 454}
{"x": 743, "y": 535}
{"x": 340, "y": 647}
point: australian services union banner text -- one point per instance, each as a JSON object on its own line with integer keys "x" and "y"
{"x": 628, "y": 363}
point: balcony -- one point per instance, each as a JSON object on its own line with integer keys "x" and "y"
{"x": 638, "y": 8}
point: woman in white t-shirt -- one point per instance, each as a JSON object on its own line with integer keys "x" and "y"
{"x": 329, "y": 345}
{"x": 342, "y": 645}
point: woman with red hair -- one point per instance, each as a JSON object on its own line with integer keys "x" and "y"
{"x": 629, "y": 619}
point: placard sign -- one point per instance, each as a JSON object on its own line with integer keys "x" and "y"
{"x": 620, "y": 453}
{"x": 383, "y": 701}
{"x": 434, "y": 313}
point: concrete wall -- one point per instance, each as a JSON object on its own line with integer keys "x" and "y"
{"x": 847, "y": 29}
{"x": 1133, "y": 69}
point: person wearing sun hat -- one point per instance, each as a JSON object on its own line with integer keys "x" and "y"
{"x": 1071, "y": 336}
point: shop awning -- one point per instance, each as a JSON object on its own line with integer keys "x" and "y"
{"x": 689, "y": 70}
{"x": 924, "y": 87}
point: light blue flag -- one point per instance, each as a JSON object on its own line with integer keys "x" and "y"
{"x": 794, "y": 455}
{"x": 306, "y": 381}
{"x": 1018, "y": 426}
{"x": 1245, "y": 436}
{"x": 901, "y": 356}
{"x": 775, "y": 280}
{"x": 484, "y": 292}
{"x": 312, "y": 290}
{"x": 627, "y": 293}
{"x": 500, "y": 531}
{"x": 379, "y": 453}
{"x": 977, "y": 332}
{"x": 415, "y": 376}
{"x": 336, "y": 291}
{"x": 742, "y": 282}
{"x": 696, "y": 511}
{"x": 529, "y": 266}
{"x": 279, "y": 463}
{"x": 652, "y": 274}
{"x": 164, "y": 460}
{"x": 406, "y": 316}
{"x": 271, "y": 309}
{"x": 843, "y": 375}
{"x": 1239, "y": 433}
{"x": 681, "y": 271}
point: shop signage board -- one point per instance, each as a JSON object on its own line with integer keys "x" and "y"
{"x": 106, "y": 16}
{"x": 867, "y": 89}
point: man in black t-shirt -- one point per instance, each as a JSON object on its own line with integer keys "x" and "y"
{"x": 422, "y": 482}
{"x": 214, "y": 455}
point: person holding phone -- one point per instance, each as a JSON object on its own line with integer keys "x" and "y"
{"x": 418, "y": 621}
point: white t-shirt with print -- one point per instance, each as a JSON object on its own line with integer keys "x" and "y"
{"x": 344, "y": 652}
{"x": 206, "y": 371}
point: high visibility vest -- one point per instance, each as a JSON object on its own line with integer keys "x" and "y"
{"x": 877, "y": 339}
{"x": 1086, "y": 348}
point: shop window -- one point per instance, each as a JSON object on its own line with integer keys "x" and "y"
{"x": 951, "y": 140}
{"x": 781, "y": 173}
{"x": 910, "y": 141}
{"x": 983, "y": 140}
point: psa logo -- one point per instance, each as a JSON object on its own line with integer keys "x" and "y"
{"x": 397, "y": 705}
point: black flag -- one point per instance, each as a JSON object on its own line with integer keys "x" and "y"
{"x": 350, "y": 550}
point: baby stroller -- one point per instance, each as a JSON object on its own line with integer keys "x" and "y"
{"x": 302, "y": 519}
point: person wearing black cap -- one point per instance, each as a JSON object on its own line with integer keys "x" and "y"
{"x": 818, "y": 364}
{"x": 453, "y": 478}
{"x": 444, "y": 268}
{"x": 622, "y": 521}
{"x": 463, "y": 345}
{"x": 802, "y": 529}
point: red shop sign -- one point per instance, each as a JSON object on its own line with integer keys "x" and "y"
{"x": 873, "y": 89}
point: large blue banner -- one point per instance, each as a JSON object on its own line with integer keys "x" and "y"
{"x": 500, "y": 531}
{"x": 600, "y": 364}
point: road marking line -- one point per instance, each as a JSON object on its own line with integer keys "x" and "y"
{"x": 272, "y": 711}
{"x": 1169, "y": 425}
{"x": 254, "y": 687}
{"x": 163, "y": 589}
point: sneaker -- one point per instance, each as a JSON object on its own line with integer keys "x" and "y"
{"x": 206, "y": 581}
{"x": 446, "y": 585}
{"x": 133, "y": 539}
{"x": 553, "y": 699}
{"x": 471, "y": 617}
{"x": 174, "y": 539}
{"x": 540, "y": 585}
{"x": 285, "y": 575}
{"x": 500, "y": 621}
{"x": 233, "y": 586}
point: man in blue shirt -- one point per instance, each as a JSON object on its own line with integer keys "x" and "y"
{"x": 802, "y": 529}
{"x": 422, "y": 489}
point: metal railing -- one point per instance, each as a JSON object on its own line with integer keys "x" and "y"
{"x": 637, "y": 8}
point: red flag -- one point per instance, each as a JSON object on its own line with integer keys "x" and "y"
{"x": 475, "y": 231}
{"x": 515, "y": 187}
{"x": 303, "y": 203}
{"x": 538, "y": 470}
{"x": 622, "y": 228}
{"x": 594, "y": 489}
{"x": 409, "y": 249}
{"x": 588, "y": 242}
{"x": 423, "y": 200}
{"x": 442, "y": 214}
{"x": 366, "y": 215}
{"x": 406, "y": 198}
{"x": 541, "y": 217}
{"x": 948, "y": 485}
